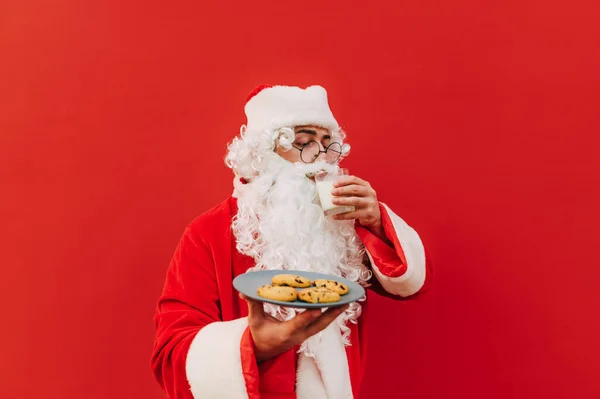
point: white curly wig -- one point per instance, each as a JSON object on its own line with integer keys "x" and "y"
{"x": 248, "y": 152}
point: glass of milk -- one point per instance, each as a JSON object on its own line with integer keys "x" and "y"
{"x": 324, "y": 182}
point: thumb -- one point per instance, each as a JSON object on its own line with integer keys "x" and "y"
{"x": 255, "y": 308}
{"x": 325, "y": 319}
{"x": 303, "y": 319}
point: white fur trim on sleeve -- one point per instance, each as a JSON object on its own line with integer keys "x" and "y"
{"x": 214, "y": 364}
{"x": 413, "y": 279}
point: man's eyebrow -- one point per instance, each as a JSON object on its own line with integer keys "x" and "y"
{"x": 308, "y": 131}
{"x": 313, "y": 133}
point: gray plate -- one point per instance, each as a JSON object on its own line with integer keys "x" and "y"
{"x": 248, "y": 284}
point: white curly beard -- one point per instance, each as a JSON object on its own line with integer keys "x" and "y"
{"x": 281, "y": 225}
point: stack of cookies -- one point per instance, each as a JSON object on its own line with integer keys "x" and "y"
{"x": 283, "y": 288}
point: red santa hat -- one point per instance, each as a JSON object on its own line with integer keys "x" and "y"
{"x": 272, "y": 107}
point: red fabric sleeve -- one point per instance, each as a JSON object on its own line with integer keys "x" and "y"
{"x": 390, "y": 259}
{"x": 182, "y": 311}
{"x": 251, "y": 372}
{"x": 273, "y": 378}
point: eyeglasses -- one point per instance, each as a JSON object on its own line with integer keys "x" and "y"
{"x": 310, "y": 151}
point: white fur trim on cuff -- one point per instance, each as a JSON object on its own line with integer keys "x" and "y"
{"x": 413, "y": 279}
{"x": 327, "y": 375}
{"x": 214, "y": 364}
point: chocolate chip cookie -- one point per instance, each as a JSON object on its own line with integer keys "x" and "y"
{"x": 332, "y": 285}
{"x": 318, "y": 295}
{"x": 277, "y": 293}
{"x": 291, "y": 280}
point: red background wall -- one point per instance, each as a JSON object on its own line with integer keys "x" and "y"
{"x": 477, "y": 122}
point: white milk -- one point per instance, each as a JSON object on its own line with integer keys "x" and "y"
{"x": 324, "y": 188}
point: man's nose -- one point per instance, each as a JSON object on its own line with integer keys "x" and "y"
{"x": 321, "y": 151}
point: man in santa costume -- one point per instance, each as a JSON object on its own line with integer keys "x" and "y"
{"x": 213, "y": 343}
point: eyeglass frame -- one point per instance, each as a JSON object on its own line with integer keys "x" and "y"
{"x": 320, "y": 151}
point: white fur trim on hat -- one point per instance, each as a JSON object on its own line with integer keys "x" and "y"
{"x": 287, "y": 106}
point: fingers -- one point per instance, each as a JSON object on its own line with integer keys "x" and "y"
{"x": 349, "y": 215}
{"x": 348, "y": 180}
{"x": 364, "y": 216}
{"x": 358, "y": 202}
{"x": 355, "y": 190}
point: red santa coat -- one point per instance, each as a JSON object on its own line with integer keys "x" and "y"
{"x": 203, "y": 346}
